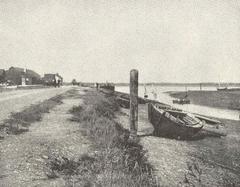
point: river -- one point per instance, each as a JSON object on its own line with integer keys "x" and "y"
{"x": 163, "y": 97}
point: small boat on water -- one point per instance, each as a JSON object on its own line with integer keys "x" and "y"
{"x": 181, "y": 101}
{"x": 173, "y": 123}
{"x": 154, "y": 93}
{"x": 222, "y": 89}
{"x": 145, "y": 92}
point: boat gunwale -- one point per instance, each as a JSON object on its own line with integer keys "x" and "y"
{"x": 177, "y": 122}
{"x": 198, "y": 116}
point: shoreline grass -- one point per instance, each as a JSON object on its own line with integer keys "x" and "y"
{"x": 115, "y": 161}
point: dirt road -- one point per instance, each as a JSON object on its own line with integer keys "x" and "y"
{"x": 24, "y": 157}
{"x": 14, "y": 101}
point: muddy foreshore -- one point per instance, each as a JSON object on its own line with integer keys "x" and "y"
{"x": 204, "y": 161}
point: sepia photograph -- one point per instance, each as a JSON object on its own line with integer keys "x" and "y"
{"x": 119, "y": 93}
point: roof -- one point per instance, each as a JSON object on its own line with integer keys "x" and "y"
{"x": 16, "y": 68}
{"x": 31, "y": 73}
{"x": 2, "y": 71}
{"x": 49, "y": 75}
{"x": 59, "y": 75}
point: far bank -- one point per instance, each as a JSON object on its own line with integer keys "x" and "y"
{"x": 218, "y": 99}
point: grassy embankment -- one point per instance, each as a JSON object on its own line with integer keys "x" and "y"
{"x": 115, "y": 161}
{"x": 20, "y": 121}
{"x": 219, "y": 99}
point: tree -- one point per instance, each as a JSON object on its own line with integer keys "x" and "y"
{"x": 74, "y": 82}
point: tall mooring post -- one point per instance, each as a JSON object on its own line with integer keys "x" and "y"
{"x": 133, "y": 103}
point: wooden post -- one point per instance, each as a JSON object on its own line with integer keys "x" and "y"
{"x": 133, "y": 103}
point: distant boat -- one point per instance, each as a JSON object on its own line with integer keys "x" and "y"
{"x": 173, "y": 123}
{"x": 154, "y": 93}
{"x": 182, "y": 101}
{"x": 145, "y": 92}
{"x": 228, "y": 89}
{"x": 222, "y": 89}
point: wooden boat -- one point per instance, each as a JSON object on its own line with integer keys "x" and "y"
{"x": 173, "y": 123}
{"x": 107, "y": 86}
{"x": 125, "y": 103}
{"x": 198, "y": 116}
{"x": 181, "y": 101}
{"x": 145, "y": 92}
{"x": 222, "y": 89}
{"x": 126, "y": 96}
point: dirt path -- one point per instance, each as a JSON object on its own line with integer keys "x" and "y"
{"x": 23, "y": 157}
{"x": 15, "y": 101}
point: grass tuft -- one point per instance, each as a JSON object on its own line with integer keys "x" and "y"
{"x": 116, "y": 161}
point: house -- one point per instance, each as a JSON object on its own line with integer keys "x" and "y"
{"x": 52, "y": 79}
{"x": 2, "y": 75}
{"x": 32, "y": 77}
{"x": 14, "y": 75}
{"x": 20, "y": 76}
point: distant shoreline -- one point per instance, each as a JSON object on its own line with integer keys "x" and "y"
{"x": 206, "y": 84}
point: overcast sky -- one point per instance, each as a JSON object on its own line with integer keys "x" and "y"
{"x": 99, "y": 40}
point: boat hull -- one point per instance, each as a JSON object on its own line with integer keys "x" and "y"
{"x": 167, "y": 126}
{"x": 125, "y": 103}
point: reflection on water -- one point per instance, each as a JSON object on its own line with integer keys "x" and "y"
{"x": 158, "y": 93}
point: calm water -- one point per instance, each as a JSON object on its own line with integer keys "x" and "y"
{"x": 165, "y": 98}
